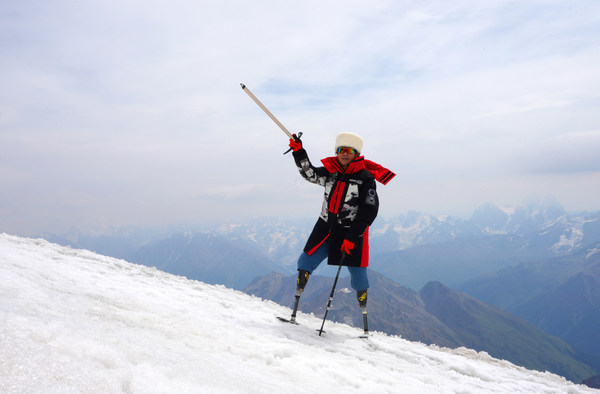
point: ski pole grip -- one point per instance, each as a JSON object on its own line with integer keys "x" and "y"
{"x": 295, "y": 138}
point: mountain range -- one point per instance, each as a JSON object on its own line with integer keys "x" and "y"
{"x": 453, "y": 251}
{"x": 207, "y": 257}
{"x": 433, "y": 315}
{"x": 560, "y": 296}
{"x": 412, "y": 249}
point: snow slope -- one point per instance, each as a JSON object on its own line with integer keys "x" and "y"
{"x": 75, "y": 321}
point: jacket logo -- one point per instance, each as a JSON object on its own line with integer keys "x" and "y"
{"x": 371, "y": 200}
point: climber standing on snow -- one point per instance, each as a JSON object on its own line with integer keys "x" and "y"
{"x": 350, "y": 206}
{"x": 341, "y": 234}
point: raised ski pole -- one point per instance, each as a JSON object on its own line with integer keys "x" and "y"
{"x": 331, "y": 295}
{"x": 262, "y": 106}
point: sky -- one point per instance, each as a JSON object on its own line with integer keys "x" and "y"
{"x": 132, "y": 113}
{"x": 75, "y": 321}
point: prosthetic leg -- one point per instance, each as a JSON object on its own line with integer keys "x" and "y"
{"x": 300, "y": 285}
{"x": 361, "y": 296}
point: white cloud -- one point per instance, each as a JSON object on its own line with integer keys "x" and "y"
{"x": 147, "y": 94}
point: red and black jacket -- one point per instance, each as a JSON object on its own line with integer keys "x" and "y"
{"x": 350, "y": 206}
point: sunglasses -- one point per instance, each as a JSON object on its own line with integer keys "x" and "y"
{"x": 345, "y": 149}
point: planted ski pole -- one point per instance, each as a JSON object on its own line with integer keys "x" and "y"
{"x": 262, "y": 106}
{"x": 331, "y": 295}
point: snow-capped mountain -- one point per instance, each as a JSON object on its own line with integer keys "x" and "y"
{"x": 75, "y": 321}
{"x": 279, "y": 240}
{"x": 416, "y": 248}
{"x": 414, "y": 229}
{"x": 544, "y": 225}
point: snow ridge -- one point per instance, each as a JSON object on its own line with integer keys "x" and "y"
{"x": 76, "y": 321}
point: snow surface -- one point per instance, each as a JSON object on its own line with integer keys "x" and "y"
{"x": 75, "y": 321}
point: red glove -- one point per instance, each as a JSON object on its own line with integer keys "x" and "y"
{"x": 295, "y": 144}
{"x": 347, "y": 246}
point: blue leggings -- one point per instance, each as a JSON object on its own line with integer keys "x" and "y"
{"x": 358, "y": 275}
